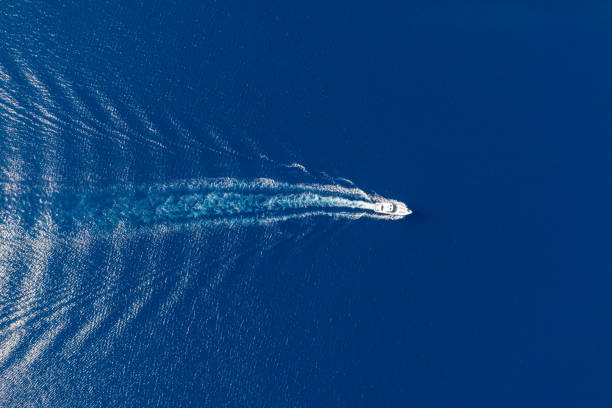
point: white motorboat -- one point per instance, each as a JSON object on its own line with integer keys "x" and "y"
{"x": 392, "y": 208}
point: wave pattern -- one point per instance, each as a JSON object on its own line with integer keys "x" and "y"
{"x": 87, "y": 271}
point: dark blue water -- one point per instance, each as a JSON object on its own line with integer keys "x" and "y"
{"x": 187, "y": 190}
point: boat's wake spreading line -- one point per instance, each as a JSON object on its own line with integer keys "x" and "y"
{"x": 199, "y": 202}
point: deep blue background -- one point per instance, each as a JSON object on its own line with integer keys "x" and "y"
{"x": 493, "y": 122}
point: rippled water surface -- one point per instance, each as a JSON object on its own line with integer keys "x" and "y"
{"x": 188, "y": 201}
{"x": 153, "y": 236}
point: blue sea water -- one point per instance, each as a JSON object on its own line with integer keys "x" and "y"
{"x": 186, "y": 192}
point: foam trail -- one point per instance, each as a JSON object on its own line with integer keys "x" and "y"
{"x": 199, "y": 202}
